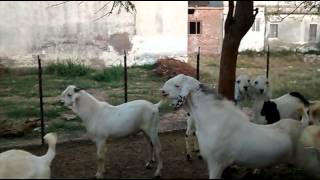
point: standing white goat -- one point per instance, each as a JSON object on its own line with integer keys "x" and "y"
{"x": 104, "y": 121}
{"x": 19, "y": 164}
{"x": 242, "y": 90}
{"x": 226, "y": 136}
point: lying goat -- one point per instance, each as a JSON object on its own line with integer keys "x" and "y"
{"x": 242, "y": 90}
{"x": 226, "y": 136}
{"x": 268, "y": 111}
{"x": 104, "y": 121}
{"x": 19, "y": 164}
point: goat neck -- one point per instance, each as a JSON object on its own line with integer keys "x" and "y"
{"x": 257, "y": 106}
{"x": 86, "y": 106}
{"x": 200, "y": 103}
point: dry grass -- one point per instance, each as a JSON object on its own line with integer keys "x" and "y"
{"x": 287, "y": 72}
{"x": 19, "y": 91}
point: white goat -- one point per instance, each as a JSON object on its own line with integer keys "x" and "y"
{"x": 314, "y": 112}
{"x": 103, "y": 121}
{"x": 268, "y": 111}
{"x": 19, "y": 164}
{"x": 311, "y": 135}
{"x": 261, "y": 88}
{"x": 242, "y": 90}
{"x": 226, "y": 136}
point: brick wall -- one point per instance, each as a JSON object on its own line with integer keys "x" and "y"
{"x": 210, "y": 37}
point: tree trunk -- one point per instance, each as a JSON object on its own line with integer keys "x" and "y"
{"x": 237, "y": 24}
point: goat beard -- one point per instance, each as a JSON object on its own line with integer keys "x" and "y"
{"x": 179, "y": 103}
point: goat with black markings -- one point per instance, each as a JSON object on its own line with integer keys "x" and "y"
{"x": 268, "y": 111}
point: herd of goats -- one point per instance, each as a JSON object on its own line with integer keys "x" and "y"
{"x": 282, "y": 130}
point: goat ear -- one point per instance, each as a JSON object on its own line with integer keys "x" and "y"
{"x": 75, "y": 99}
{"x": 77, "y": 89}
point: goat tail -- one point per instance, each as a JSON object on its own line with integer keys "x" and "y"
{"x": 301, "y": 98}
{"x": 51, "y": 140}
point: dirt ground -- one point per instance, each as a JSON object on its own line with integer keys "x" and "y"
{"x": 126, "y": 158}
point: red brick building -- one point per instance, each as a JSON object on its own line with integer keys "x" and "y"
{"x": 205, "y": 27}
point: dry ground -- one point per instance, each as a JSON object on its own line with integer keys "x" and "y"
{"x": 126, "y": 158}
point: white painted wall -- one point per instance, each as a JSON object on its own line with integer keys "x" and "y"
{"x": 68, "y": 31}
{"x": 254, "y": 40}
{"x": 293, "y": 32}
{"x": 161, "y": 28}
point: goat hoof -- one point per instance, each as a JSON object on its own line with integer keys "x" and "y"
{"x": 189, "y": 158}
{"x": 256, "y": 171}
{"x": 157, "y": 177}
{"x": 200, "y": 157}
{"x": 99, "y": 176}
{"x": 148, "y": 166}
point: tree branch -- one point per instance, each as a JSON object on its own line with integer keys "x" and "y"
{"x": 58, "y": 4}
{"x": 102, "y": 7}
{"x": 127, "y": 5}
{"x": 256, "y": 11}
{"x": 229, "y": 19}
{"x": 108, "y": 13}
{"x": 282, "y": 18}
{"x": 244, "y": 17}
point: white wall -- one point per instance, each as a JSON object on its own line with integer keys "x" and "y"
{"x": 254, "y": 40}
{"x": 293, "y": 31}
{"x": 68, "y": 31}
{"x": 161, "y": 28}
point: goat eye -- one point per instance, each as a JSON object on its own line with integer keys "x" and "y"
{"x": 177, "y": 86}
{"x": 249, "y": 80}
{"x": 69, "y": 95}
{"x": 256, "y": 82}
{"x": 267, "y": 83}
{"x": 238, "y": 81}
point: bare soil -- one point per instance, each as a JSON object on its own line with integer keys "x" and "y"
{"x": 126, "y": 158}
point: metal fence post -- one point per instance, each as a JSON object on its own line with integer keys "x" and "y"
{"x": 125, "y": 78}
{"x": 268, "y": 55}
{"x": 41, "y": 97}
{"x": 198, "y": 64}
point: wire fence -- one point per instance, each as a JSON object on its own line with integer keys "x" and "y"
{"x": 128, "y": 94}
